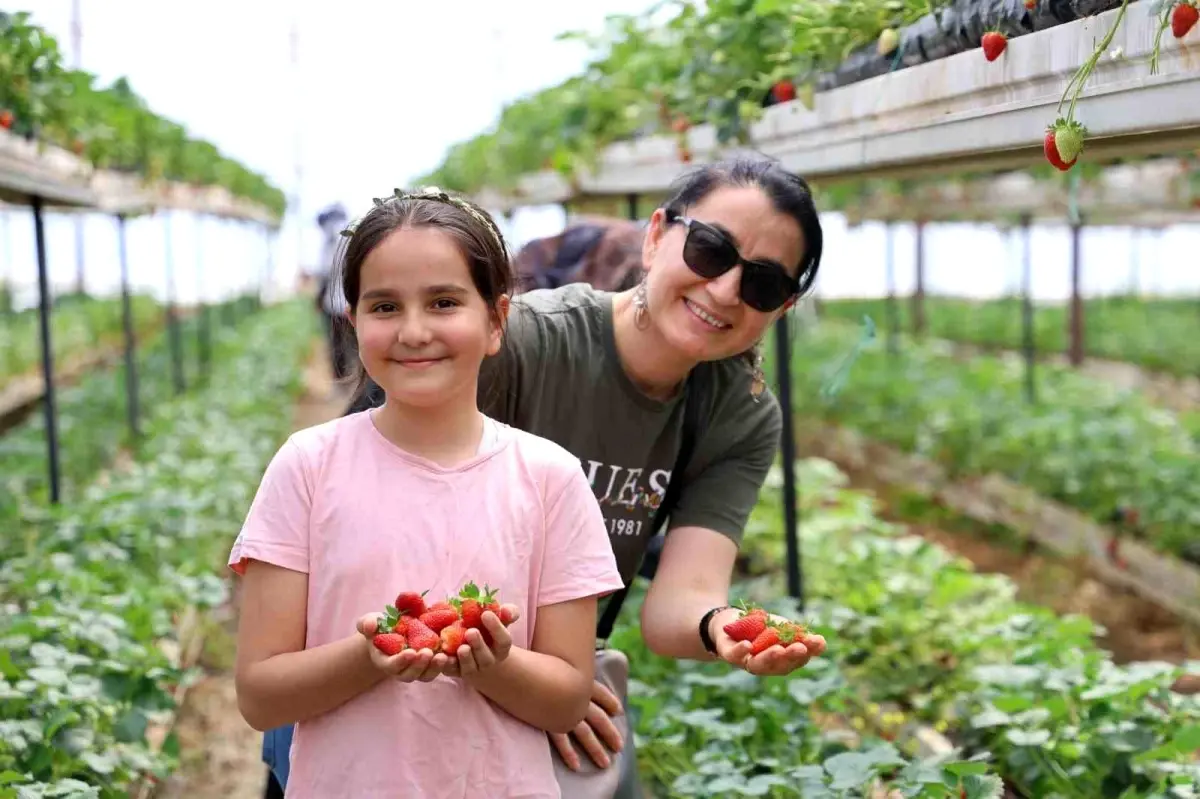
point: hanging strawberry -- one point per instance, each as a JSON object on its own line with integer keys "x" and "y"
{"x": 6, "y": 119}
{"x": 783, "y": 91}
{"x": 1064, "y": 143}
{"x": 1183, "y": 18}
{"x": 994, "y": 44}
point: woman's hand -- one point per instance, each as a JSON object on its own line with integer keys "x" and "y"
{"x": 411, "y": 665}
{"x": 774, "y": 661}
{"x": 595, "y": 732}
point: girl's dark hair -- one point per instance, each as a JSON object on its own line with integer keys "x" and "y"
{"x": 788, "y": 192}
{"x": 473, "y": 229}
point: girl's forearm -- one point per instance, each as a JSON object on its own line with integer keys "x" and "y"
{"x": 295, "y": 686}
{"x": 541, "y": 690}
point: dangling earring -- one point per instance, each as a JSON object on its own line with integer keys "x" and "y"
{"x": 641, "y": 313}
{"x": 758, "y": 381}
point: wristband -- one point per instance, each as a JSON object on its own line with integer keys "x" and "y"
{"x": 705, "y": 638}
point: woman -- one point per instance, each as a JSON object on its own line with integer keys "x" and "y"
{"x": 609, "y": 377}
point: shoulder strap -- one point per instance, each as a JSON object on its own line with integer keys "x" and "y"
{"x": 693, "y": 416}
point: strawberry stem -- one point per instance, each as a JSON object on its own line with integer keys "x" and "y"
{"x": 1085, "y": 70}
{"x": 1163, "y": 24}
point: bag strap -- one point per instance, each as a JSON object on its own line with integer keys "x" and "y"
{"x": 693, "y": 415}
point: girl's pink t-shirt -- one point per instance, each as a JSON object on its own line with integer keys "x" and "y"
{"x": 365, "y": 520}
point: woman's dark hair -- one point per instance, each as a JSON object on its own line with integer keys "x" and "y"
{"x": 473, "y": 229}
{"x": 788, "y": 192}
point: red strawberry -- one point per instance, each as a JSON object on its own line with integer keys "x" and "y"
{"x": 6, "y": 119}
{"x": 1031, "y": 4}
{"x": 783, "y": 91}
{"x": 421, "y": 637}
{"x": 77, "y": 147}
{"x": 411, "y": 603}
{"x": 993, "y": 45}
{"x": 440, "y": 619}
{"x": 442, "y": 605}
{"x": 680, "y": 125}
{"x": 782, "y": 634}
{"x": 472, "y": 602}
{"x": 748, "y": 626}
{"x": 453, "y": 637}
{"x": 685, "y": 155}
{"x": 389, "y": 643}
{"x": 1184, "y": 18}
{"x": 764, "y": 640}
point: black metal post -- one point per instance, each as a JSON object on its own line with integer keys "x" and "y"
{"x": 131, "y": 376}
{"x": 893, "y": 310}
{"x": 918, "y": 301}
{"x": 1027, "y": 329}
{"x": 791, "y": 518}
{"x": 632, "y": 206}
{"x": 44, "y": 309}
{"x": 1075, "y": 317}
{"x": 173, "y": 332}
{"x": 204, "y": 328}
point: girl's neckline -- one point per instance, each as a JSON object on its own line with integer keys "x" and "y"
{"x": 496, "y": 437}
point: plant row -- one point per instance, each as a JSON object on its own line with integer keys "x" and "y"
{"x": 92, "y": 415}
{"x": 90, "y": 591}
{"x": 1085, "y": 443}
{"x": 1158, "y": 334}
{"x": 1022, "y": 694}
{"x": 110, "y": 126}
{"x": 722, "y": 62}
{"x": 79, "y": 325}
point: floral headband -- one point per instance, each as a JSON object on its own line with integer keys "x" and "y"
{"x": 437, "y": 195}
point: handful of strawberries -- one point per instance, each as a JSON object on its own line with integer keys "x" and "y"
{"x": 756, "y": 626}
{"x": 440, "y": 627}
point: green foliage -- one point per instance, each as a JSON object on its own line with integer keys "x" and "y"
{"x": 1085, "y": 443}
{"x": 90, "y": 590}
{"x": 109, "y": 126}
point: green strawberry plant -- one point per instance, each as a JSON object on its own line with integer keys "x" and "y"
{"x": 1085, "y": 443}
{"x": 1014, "y": 686}
{"x": 91, "y": 416}
{"x": 91, "y": 588}
{"x": 1156, "y": 334}
{"x": 78, "y": 325}
{"x": 111, "y": 127}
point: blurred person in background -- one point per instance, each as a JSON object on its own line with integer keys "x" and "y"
{"x": 329, "y": 300}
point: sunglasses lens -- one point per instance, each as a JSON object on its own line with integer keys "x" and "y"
{"x": 707, "y": 254}
{"x": 765, "y": 288}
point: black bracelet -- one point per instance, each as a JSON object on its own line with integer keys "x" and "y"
{"x": 705, "y": 638}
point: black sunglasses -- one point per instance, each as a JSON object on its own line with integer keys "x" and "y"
{"x": 709, "y": 253}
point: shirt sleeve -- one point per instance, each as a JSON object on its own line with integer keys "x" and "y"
{"x": 276, "y": 527}
{"x": 732, "y": 466}
{"x": 579, "y": 560}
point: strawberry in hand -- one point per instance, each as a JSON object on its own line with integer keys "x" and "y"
{"x": 761, "y": 643}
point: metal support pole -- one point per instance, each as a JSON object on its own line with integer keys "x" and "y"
{"x": 632, "y": 206}
{"x": 131, "y": 377}
{"x": 893, "y": 309}
{"x": 791, "y": 518}
{"x": 173, "y": 332}
{"x": 1027, "y": 330}
{"x": 204, "y": 328}
{"x": 1075, "y": 319}
{"x": 919, "y": 292}
{"x": 44, "y": 310}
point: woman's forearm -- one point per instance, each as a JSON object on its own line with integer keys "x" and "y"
{"x": 671, "y": 624}
{"x": 541, "y": 690}
{"x": 295, "y": 686}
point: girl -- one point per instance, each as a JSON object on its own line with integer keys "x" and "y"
{"x": 424, "y": 493}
